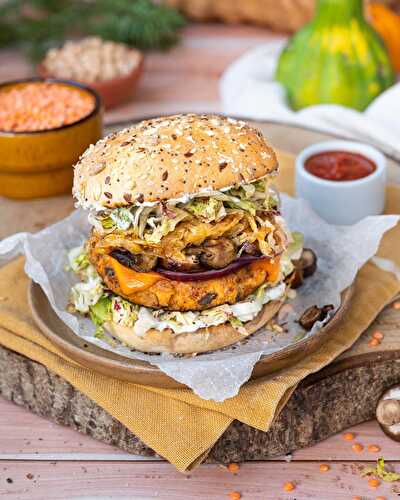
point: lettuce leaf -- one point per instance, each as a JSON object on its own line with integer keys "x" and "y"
{"x": 295, "y": 247}
{"x": 100, "y": 313}
{"x": 78, "y": 259}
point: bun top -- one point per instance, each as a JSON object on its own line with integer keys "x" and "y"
{"x": 169, "y": 157}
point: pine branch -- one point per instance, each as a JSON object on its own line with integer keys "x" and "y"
{"x": 37, "y": 25}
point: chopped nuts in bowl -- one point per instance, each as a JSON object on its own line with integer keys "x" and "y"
{"x": 110, "y": 68}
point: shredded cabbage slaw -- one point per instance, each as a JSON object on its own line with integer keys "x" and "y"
{"x": 152, "y": 223}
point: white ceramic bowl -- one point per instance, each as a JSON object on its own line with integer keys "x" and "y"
{"x": 343, "y": 202}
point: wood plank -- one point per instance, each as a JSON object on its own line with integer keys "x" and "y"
{"x": 182, "y": 80}
{"x": 17, "y": 437}
{"x": 337, "y": 448}
{"x": 55, "y": 442}
{"x": 146, "y": 481}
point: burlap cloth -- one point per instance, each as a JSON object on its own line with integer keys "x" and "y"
{"x": 174, "y": 422}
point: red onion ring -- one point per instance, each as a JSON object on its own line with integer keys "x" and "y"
{"x": 211, "y": 273}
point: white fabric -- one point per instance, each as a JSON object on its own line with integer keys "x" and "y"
{"x": 248, "y": 90}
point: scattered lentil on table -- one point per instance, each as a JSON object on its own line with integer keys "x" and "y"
{"x": 378, "y": 335}
{"x": 374, "y": 342}
{"x": 289, "y": 486}
{"x": 234, "y": 495}
{"x": 374, "y": 448}
{"x": 39, "y": 106}
{"x": 349, "y": 436}
{"x": 373, "y": 483}
{"x": 234, "y": 468}
{"x": 357, "y": 447}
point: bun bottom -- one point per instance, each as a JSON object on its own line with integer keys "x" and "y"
{"x": 202, "y": 340}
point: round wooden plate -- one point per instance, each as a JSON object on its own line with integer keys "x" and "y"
{"x": 140, "y": 372}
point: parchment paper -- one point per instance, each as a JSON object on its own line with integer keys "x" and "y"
{"x": 341, "y": 252}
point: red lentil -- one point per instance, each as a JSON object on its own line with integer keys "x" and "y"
{"x": 39, "y": 106}
{"x": 348, "y": 436}
{"x": 373, "y": 483}
{"x": 289, "y": 486}
{"x": 378, "y": 335}
{"x": 374, "y": 448}
{"x": 234, "y": 468}
{"x": 357, "y": 447}
{"x": 234, "y": 495}
{"x": 373, "y": 342}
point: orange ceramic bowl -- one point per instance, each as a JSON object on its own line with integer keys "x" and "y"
{"x": 38, "y": 164}
{"x": 112, "y": 92}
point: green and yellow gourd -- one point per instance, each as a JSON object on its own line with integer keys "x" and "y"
{"x": 337, "y": 58}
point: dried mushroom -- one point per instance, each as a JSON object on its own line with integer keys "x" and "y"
{"x": 296, "y": 279}
{"x": 308, "y": 262}
{"x": 303, "y": 268}
{"x": 313, "y": 314}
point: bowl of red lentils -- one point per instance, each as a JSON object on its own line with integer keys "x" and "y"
{"x": 45, "y": 125}
{"x": 112, "y": 69}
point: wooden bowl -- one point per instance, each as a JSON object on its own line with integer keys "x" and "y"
{"x": 112, "y": 92}
{"x": 38, "y": 164}
{"x": 141, "y": 372}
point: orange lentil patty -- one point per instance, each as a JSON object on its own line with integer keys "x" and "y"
{"x": 38, "y": 106}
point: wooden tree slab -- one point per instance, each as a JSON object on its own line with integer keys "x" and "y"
{"x": 343, "y": 394}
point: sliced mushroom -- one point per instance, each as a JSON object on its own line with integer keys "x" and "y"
{"x": 296, "y": 278}
{"x": 250, "y": 248}
{"x": 139, "y": 262}
{"x": 214, "y": 253}
{"x": 308, "y": 262}
{"x": 326, "y": 310}
{"x": 313, "y": 314}
{"x": 188, "y": 264}
{"x": 303, "y": 268}
{"x": 217, "y": 254}
{"x": 309, "y": 317}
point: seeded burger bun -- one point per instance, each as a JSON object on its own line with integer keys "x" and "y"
{"x": 169, "y": 157}
{"x": 164, "y": 159}
{"x": 202, "y": 340}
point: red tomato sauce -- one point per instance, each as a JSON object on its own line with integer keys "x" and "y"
{"x": 339, "y": 166}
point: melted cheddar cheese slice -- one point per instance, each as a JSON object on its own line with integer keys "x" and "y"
{"x": 131, "y": 281}
{"x": 271, "y": 266}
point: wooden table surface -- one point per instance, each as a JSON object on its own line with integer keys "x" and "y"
{"x": 41, "y": 460}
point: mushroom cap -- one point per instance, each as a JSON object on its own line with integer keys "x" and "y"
{"x": 170, "y": 157}
{"x": 388, "y": 412}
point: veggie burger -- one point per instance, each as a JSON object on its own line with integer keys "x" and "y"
{"x": 188, "y": 250}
